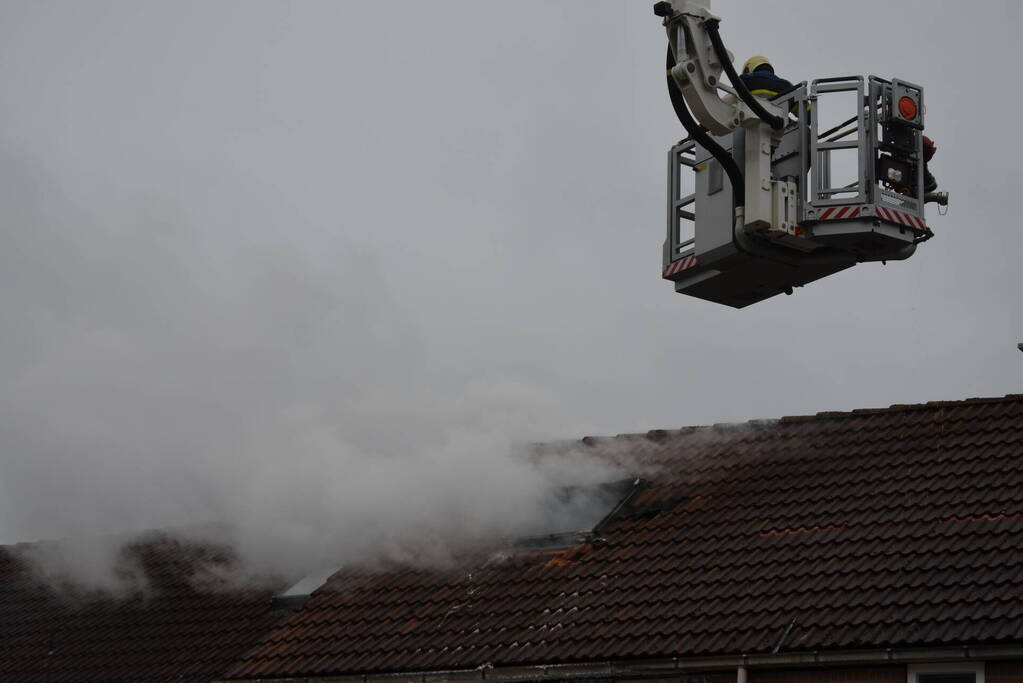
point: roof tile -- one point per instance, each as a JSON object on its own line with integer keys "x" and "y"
{"x": 842, "y": 529}
{"x": 175, "y": 632}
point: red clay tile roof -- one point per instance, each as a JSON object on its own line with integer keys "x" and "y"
{"x": 173, "y": 632}
{"x": 897, "y": 527}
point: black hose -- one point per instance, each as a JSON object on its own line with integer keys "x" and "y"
{"x": 697, "y": 133}
{"x": 777, "y": 122}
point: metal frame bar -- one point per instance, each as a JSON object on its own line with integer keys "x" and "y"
{"x": 822, "y": 193}
{"x": 681, "y": 156}
{"x": 875, "y": 111}
{"x": 796, "y": 101}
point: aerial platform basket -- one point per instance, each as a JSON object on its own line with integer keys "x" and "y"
{"x": 828, "y": 199}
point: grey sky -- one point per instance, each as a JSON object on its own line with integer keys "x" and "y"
{"x": 271, "y": 227}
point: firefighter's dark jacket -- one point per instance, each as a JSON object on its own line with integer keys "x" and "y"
{"x": 764, "y": 83}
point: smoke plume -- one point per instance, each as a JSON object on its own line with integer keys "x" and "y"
{"x": 154, "y": 379}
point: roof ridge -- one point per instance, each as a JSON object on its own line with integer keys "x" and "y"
{"x": 903, "y": 408}
{"x": 762, "y": 423}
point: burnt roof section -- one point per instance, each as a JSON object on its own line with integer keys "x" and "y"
{"x": 897, "y": 527}
{"x": 169, "y": 632}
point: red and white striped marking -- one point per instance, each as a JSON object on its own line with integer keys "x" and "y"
{"x": 677, "y": 267}
{"x": 833, "y": 213}
{"x": 901, "y": 217}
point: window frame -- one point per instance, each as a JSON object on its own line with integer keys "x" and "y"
{"x": 914, "y": 671}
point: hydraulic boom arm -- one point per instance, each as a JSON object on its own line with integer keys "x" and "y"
{"x": 700, "y": 57}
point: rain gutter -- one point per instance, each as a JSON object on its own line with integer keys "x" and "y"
{"x": 678, "y": 666}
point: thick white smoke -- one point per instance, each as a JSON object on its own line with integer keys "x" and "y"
{"x": 154, "y": 379}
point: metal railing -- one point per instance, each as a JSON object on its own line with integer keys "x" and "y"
{"x": 681, "y": 239}
{"x": 823, "y": 145}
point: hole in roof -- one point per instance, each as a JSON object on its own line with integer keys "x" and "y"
{"x": 299, "y": 591}
{"x": 308, "y": 583}
{"x": 572, "y": 516}
{"x": 574, "y": 513}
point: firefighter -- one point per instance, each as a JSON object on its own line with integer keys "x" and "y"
{"x": 758, "y": 75}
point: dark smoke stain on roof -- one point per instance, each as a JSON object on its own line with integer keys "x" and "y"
{"x": 895, "y": 527}
{"x": 169, "y": 630}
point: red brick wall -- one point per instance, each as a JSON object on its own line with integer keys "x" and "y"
{"x": 873, "y": 674}
{"x": 1003, "y": 672}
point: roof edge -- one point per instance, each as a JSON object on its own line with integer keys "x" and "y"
{"x": 640, "y": 668}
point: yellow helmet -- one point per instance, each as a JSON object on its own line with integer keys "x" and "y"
{"x": 753, "y": 62}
